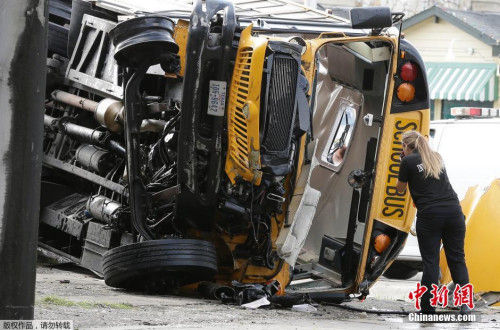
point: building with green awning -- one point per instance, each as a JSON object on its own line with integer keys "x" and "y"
{"x": 461, "y": 51}
{"x": 462, "y": 81}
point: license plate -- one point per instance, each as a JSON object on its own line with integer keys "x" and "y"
{"x": 216, "y": 98}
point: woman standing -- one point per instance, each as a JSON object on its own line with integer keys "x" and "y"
{"x": 439, "y": 214}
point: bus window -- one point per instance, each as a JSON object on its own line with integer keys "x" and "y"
{"x": 341, "y": 138}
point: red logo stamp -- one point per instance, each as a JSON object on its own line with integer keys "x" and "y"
{"x": 462, "y": 295}
{"x": 417, "y": 294}
{"x": 439, "y": 296}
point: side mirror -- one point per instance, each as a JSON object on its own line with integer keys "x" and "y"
{"x": 371, "y": 17}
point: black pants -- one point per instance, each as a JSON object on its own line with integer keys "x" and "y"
{"x": 446, "y": 224}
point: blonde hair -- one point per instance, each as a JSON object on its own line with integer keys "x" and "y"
{"x": 432, "y": 161}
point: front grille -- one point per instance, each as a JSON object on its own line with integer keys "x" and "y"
{"x": 239, "y": 144}
{"x": 280, "y": 103}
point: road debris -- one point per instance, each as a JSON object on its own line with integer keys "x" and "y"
{"x": 305, "y": 308}
{"x": 257, "y": 303}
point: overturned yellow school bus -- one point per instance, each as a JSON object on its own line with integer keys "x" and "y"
{"x": 231, "y": 144}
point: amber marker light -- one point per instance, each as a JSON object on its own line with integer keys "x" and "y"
{"x": 381, "y": 243}
{"x": 406, "y": 92}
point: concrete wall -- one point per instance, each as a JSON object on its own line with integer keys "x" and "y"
{"x": 412, "y": 7}
{"x": 485, "y": 5}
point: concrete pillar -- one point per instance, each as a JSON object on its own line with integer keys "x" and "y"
{"x": 23, "y": 52}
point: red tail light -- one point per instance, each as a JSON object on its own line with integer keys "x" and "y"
{"x": 410, "y": 81}
{"x": 409, "y": 71}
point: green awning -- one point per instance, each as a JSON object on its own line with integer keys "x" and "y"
{"x": 462, "y": 81}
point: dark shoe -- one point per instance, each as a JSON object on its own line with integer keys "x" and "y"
{"x": 428, "y": 311}
{"x": 464, "y": 309}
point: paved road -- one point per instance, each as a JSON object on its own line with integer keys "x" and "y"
{"x": 73, "y": 294}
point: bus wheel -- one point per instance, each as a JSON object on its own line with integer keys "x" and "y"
{"x": 159, "y": 265}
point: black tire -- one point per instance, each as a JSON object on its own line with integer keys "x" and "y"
{"x": 159, "y": 265}
{"x": 400, "y": 271}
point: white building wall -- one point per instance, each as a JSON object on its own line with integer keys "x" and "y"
{"x": 441, "y": 41}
